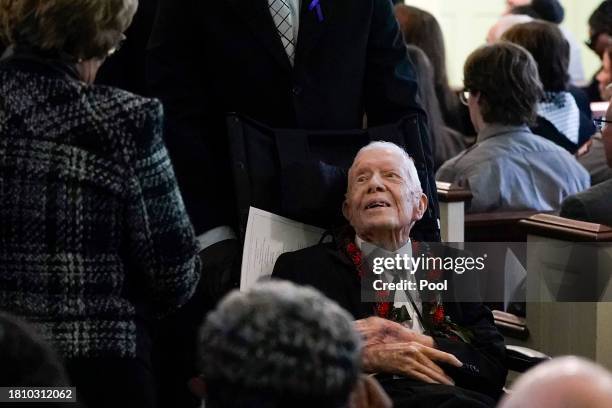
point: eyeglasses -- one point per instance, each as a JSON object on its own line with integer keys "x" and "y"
{"x": 601, "y": 124}
{"x": 463, "y": 96}
{"x": 118, "y": 46}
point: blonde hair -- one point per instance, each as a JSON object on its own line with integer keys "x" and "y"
{"x": 74, "y": 29}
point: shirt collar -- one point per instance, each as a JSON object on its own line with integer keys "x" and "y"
{"x": 368, "y": 248}
{"x": 492, "y": 130}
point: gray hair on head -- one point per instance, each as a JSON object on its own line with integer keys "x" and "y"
{"x": 411, "y": 170}
{"x": 281, "y": 338}
{"x": 560, "y": 383}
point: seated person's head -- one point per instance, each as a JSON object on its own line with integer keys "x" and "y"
{"x": 600, "y": 28}
{"x": 549, "y": 10}
{"x": 547, "y": 45}
{"x": 565, "y": 382}
{"x": 505, "y": 23}
{"x": 503, "y": 84}
{"x": 26, "y": 360}
{"x": 384, "y": 197}
{"x": 279, "y": 345}
{"x": 83, "y": 32}
{"x": 604, "y": 77}
{"x": 420, "y": 28}
{"x": 510, "y": 4}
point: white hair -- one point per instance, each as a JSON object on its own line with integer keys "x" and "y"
{"x": 562, "y": 382}
{"x": 504, "y": 24}
{"x": 411, "y": 170}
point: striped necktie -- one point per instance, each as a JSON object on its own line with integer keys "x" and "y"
{"x": 283, "y": 19}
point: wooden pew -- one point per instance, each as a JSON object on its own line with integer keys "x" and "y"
{"x": 558, "y": 247}
{"x": 496, "y": 226}
{"x": 452, "y": 209}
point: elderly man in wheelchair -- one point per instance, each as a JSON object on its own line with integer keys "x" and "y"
{"x": 414, "y": 346}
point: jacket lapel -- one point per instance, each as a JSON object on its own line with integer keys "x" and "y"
{"x": 311, "y": 26}
{"x": 256, "y": 14}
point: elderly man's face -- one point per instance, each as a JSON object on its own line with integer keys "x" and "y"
{"x": 381, "y": 195}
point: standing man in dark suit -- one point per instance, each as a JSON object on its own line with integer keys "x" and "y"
{"x": 312, "y": 64}
{"x": 423, "y": 362}
{"x": 593, "y": 205}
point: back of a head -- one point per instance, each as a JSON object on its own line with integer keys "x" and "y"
{"x": 65, "y": 29}
{"x": 566, "y": 382}
{"x": 25, "y": 360}
{"x": 525, "y": 11}
{"x": 549, "y": 10}
{"x": 601, "y": 19}
{"x": 279, "y": 345}
{"x": 506, "y": 77}
{"x": 551, "y": 51}
{"x": 421, "y": 29}
{"x": 504, "y": 24}
{"x": 426, "y": 91}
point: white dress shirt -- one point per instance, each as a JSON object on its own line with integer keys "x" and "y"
{"x": 401, "y": 297}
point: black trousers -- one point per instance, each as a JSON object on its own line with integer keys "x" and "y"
{"x": 175, "y": 349}
{"x": 112, "y": 382}
{"x": 407, "y": 393}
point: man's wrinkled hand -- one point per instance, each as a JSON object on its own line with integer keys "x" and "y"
{"x": 376, "y": 330}
{"x": 412, "y": 360}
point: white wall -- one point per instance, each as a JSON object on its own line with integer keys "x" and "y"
{"x": 465, "y": 24}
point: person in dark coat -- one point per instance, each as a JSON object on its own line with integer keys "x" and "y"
{"x": 96, "y": 242}
{"x": 435, "y": 367}
{"x": 306, "y": 64}
{"x": 593, "y": 205}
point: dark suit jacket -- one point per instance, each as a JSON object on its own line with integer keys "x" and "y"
{"x": 592, "y": 205}
{"x": 212, "y": 57}
{"x": 328, "y": 269}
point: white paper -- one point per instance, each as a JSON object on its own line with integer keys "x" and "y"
{"x": 267, "y": 237}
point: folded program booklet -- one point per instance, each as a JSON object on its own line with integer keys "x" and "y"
{"x": 267, "y": 237}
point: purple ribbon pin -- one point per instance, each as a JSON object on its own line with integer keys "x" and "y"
{"x": 316, "y": 4}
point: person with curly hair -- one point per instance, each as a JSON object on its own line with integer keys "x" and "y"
{"x": 279, "y": 345}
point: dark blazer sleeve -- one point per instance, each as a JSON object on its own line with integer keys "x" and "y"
{"x": 176, "y": 74}
{"x": 284, "y": 268}
{"x": 390, "y": 82}
{"x": 484, "y": 359}
{"x": 573, "y": 207}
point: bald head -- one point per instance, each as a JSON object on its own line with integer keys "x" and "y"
{"x": 566, "y": 382}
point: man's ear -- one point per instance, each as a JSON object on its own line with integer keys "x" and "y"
{"x": 420, "y": 207}
{"x": 346, "y": 210}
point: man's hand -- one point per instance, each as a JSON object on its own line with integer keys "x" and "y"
{"x": 411, "y": 359}
{"x": 369, "y": 394}
{"x": 376, "y": 330}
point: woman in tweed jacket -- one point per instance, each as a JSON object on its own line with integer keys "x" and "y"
{"x": 94, "y": 237}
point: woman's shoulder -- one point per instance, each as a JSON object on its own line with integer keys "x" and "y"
{"x": 130, "y": 102}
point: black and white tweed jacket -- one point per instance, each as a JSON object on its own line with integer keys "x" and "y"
{"x": 93, "y": 230}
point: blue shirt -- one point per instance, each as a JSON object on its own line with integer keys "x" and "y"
{"x": 512, "y": 169}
